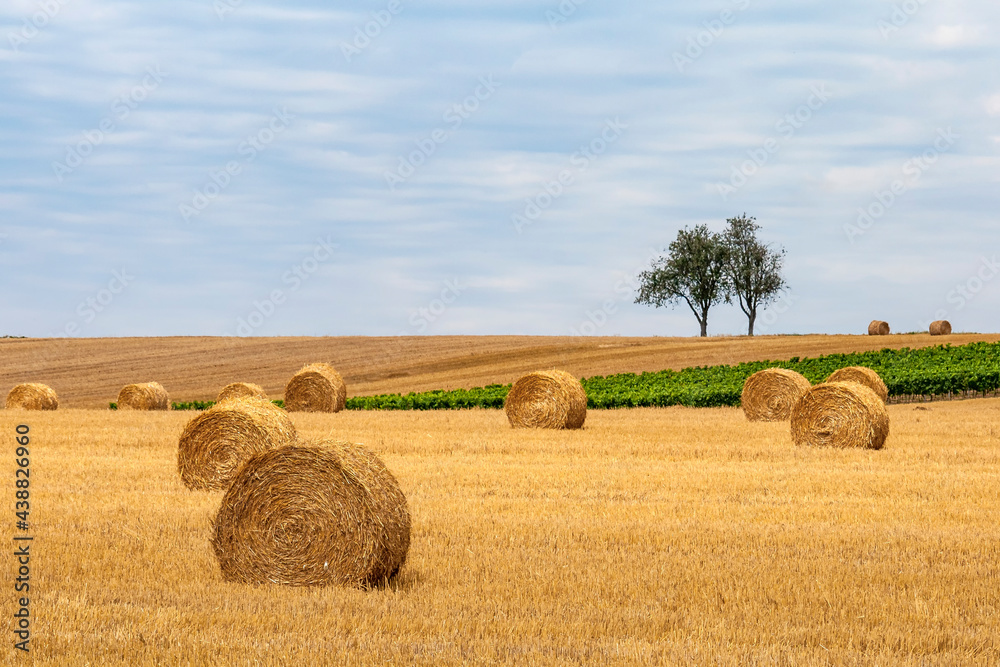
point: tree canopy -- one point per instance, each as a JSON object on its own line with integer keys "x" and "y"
{"x": 753, "y": 269}
{"x": 703, "y": 268}
{"x": 693, "y": 272}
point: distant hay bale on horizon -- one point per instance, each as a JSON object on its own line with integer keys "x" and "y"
{"x": 769, "y": 395}
{"x": 316, "y": 388}
{"x": 940, "y": 328}
{"x": 546, "y": 399}
{"x": 217, "y": 442}
{"x": 32, "y": 396}
{"x": 840, "y": 414}
{"x": 314, "y": 514}
{"x": 241, "y": 390}
{"x": 878, "y": 328}
{"x": 143, "y": 396}
{"x": 862, "y": 375}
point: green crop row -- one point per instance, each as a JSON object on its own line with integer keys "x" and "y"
{"x": 196, "y": 405}
{"x": 925, "y": 371}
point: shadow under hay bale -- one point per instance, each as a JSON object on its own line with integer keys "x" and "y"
{"x": 32, "y": 396}
{"x": 241, "y": 390}
{"x": 878, "y": 328}
{"x": 840, "y": 414}
{"x": 940, "y": 328}
{"x": 546, "y": 399}
{"x": 316, "y": 514}
{"x": 769, "y": 395}
{"x": 316, "y": 388}
{"x": 217, "y": 442}
{"x": 143, "y": 396}
{"x": 864, "y": 376}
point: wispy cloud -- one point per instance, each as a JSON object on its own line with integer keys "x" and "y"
{"x": 560, "y": 82}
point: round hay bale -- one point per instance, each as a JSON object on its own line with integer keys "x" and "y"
{"x": 840, "y": 414}
{"x": 546, "y": 399}
{"x": 144, "y": 396}
{"x": 241, "y": 390}
{"x": 32, "y": 396}
{"x": 878, "y": 328}
{"x": 312, "y": 515}
{"x": 217, "y": 442}
{"x": 940, "y": 328}
{"x": 768, "y": 395}
{"x": 861, "y": 375}
{"x": 316, "y": 388}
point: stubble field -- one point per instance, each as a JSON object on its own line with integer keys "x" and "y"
{"x": 652, "y": 536}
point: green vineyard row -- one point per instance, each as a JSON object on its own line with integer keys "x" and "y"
{"x": 929, "y": 371}
{"x": 197, "y": 405}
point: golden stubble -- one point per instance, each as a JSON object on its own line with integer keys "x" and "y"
{"x": 671, "y": 536}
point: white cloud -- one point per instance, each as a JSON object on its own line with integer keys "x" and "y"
{"x": 949, "y": 36}
{"x": 993, "y": 105}
{"x": 325, "y": 174}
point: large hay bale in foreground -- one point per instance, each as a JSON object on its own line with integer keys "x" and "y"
{"x": 878, "y": 328}
{"x": 241, "y": 390}
{"x": 312, "y": 515}
{"x": 768, "y": 395}
{"x": 143, "y": 396}
{"x": 940, "y": 328}
{"x": 32, "y": 396}
{"x": 316, "y": 388}
{"x": 861, "y": 375}
{"x": 217, "y": 442}
{"x": 546, "y": 399}
{"x": 840, "y": 414}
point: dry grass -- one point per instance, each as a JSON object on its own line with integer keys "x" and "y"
{"x": 654, "y": 536}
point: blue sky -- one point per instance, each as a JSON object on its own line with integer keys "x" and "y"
{"x": 381, "y": 168}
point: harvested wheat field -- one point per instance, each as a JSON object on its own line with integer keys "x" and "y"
{"x": 651, "y": 536}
